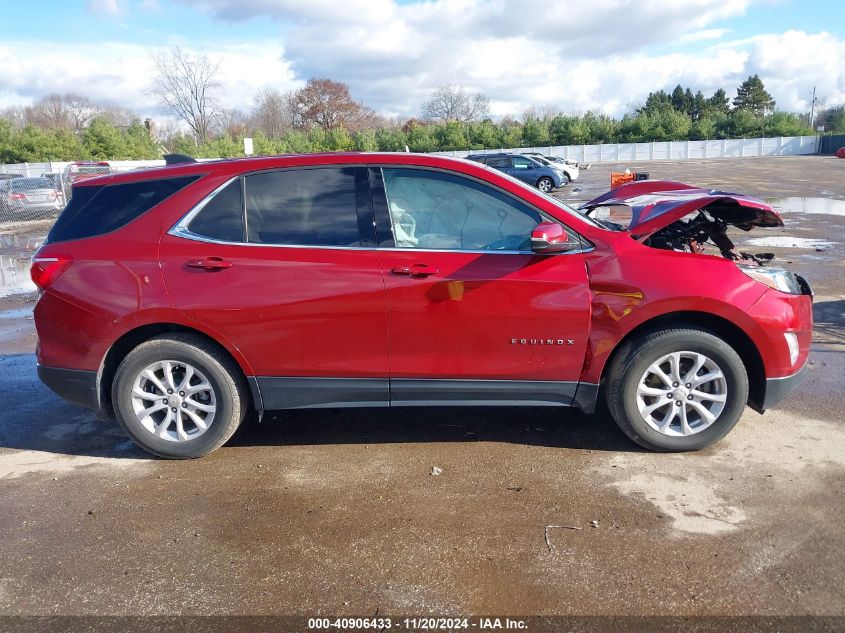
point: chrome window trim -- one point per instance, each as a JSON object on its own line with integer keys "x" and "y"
{"x": 180, "y": 229}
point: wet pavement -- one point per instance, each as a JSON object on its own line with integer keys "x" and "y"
{"x": 337, "y": 512}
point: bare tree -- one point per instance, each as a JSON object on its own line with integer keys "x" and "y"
{"x": 118, "y": 116}
{"x": 234, "y": 123}
{"x": 166, "y": 132}
{"x": 68, "y": 111}
{"x": 273, "y": 114}
{"x": 188, "y": 86}
{"x": 327, "y": 104}
{"x": 18, "y": 116}
{"x": 452, "y": 103}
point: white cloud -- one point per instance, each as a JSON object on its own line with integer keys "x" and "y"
{"x": 121, "y": 73}
{"x": 601, "y": 55}
{"x": 106, "y": 7}
{"x": 704, "y": 34}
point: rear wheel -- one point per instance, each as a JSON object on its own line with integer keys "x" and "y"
{"x": 178, "y": 396}
{"x": 545, "y": 184}
{"x": 677, "y": 390}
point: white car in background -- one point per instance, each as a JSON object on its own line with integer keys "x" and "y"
{"x": 568, "y": 168}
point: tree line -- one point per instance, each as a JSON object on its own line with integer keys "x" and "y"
{"x": 323, "y": 116}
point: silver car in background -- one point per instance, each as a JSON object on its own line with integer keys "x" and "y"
{"x": 566, "y": 167}
{"x": 30, "y": 199}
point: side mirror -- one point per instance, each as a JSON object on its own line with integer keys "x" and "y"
{"x": 550, "y": 237}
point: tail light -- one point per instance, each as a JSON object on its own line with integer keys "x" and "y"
{"x": 17, "y": 196}
{"x": 45, "y": 270}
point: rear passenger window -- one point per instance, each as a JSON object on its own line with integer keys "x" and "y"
{"x": 95, "y": 210}
{"x": 307, "y": 207}
{"x": 502, "y": 162}
{"x": 222, "y": 217}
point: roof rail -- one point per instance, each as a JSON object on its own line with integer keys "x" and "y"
{"x": 178, "y": 159}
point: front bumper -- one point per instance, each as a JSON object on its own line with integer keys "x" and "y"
{"x": 74, "y": 385}
{"x": 777, "y": 388}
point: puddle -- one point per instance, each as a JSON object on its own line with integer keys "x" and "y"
{"x": 14, "y": 275}
{"x": 788, "y": 242}
{"x": 797, "y": 204}
{"x": 17, "y": 313}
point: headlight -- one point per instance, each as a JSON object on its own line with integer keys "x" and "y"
{"x": 777, "y": 278}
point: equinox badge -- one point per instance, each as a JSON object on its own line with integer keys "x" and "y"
{"x": 542, "y": 341}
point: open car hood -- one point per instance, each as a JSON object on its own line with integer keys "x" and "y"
{"x": 655, "y": 204}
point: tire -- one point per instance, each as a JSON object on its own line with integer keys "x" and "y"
{"x": 545, "y": 184}
{"x": 632, "y": 384}
{"x": 215, "y": 396}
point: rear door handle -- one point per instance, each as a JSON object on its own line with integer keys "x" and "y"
{"x": 415, "y": 270}
{"x": 209, "y": 263}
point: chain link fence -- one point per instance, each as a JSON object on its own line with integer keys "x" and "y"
{"x": 30, "y": 201}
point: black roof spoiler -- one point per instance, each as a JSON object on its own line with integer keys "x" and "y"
{"x": 178, "y": 159}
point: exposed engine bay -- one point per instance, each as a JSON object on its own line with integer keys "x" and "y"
{"x": 680, "y": 217}
{"x": 697, "y": 234}
{"x": 676, "y": 216}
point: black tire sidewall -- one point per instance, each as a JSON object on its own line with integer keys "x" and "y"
{"x": 693, "y": 341}
{"x": 220, "y": 379}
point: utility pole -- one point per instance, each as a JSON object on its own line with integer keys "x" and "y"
{"x": 812, "y": 120}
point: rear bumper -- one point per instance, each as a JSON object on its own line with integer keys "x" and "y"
{"x": 74, "y": 385}
{"x": 777, "y": 388}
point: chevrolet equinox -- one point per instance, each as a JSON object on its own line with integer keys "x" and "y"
{"x": 178, "y": 299}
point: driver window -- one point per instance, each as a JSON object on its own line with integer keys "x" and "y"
{"x": 522, "y": 163}
{"x": 436, "y": 210}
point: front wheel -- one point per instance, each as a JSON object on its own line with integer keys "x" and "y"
{"x": 677, "y": 390}
{"x": 178, "y": 396}
{"x": 545, "y": 184}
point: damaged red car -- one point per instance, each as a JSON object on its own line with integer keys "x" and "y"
{"x": 179, "y": 299}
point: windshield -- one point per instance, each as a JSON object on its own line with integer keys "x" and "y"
{"x": 31, "y": 183}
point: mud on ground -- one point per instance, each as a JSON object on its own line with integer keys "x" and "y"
{"x": 336, "y": 512}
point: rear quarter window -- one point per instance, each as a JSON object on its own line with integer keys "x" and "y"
{"x": 221, "y": 218}
{"x": 95, "y": 210}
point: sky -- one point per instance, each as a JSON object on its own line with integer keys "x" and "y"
{"x": 573, "y": 56}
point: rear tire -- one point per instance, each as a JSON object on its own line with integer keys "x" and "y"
{"x": 179, "y": 396}
{"x": 648, "y": 394}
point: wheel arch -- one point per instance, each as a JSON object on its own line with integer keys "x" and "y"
{"x": 130, "y": 339}
{"x": 725, "y": 329}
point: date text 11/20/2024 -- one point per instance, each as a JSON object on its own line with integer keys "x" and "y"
{"x": 420, "y": 624}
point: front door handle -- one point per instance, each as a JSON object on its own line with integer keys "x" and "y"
{"x": 415, "y": 270}
{"x": 209, "y": 263}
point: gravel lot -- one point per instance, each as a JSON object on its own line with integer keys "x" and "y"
{"x": 336, "y": 512}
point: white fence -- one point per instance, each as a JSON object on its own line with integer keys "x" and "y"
{"x": 670, "y": 150}
{"x": 57, "y": 167}
{"x": 611, "y": 152}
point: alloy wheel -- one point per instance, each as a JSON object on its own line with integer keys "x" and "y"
{"x": 682, "y": 393}
{"x": 173, "y": 400}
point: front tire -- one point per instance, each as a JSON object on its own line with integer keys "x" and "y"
{"x": 677, "y": 390}
{"x": 545, "y": 184}
{"x": 178, "y": 396}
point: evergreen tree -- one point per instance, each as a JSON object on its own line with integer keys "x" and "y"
{"x": 719, "y": 102}
{"x": 751, "y": 95}
{"x": 657, "y": 101}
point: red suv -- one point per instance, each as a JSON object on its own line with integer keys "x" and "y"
{"x": 180, "y": 298}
